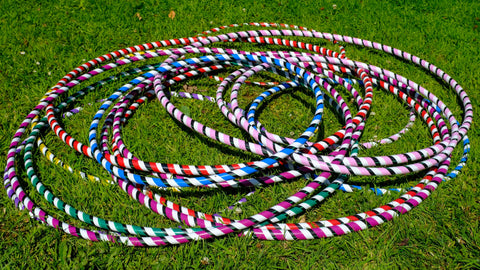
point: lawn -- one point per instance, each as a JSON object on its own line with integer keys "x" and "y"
{"x": 41, "y": 41}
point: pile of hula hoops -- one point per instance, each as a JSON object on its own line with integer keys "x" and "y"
{"x": 328, "y": 163}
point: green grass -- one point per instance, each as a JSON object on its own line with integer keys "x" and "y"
{"x": 57, "y": 36}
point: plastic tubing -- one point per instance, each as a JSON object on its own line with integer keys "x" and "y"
{"x": 316, "y": 70}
